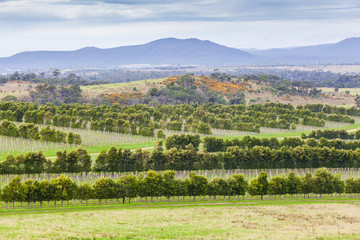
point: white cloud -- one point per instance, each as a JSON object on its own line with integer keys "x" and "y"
{"x": 258, "y": 34}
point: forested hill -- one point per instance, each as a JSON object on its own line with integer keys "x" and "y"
{"x": 174, "y": 51}
{"x": 164, "y": 51}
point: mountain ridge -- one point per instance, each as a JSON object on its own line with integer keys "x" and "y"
{"x": 192, "y": 51}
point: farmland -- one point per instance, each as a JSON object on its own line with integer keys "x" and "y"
{"x": 142, "y": 86}
{"x": 18, "y": 89}
{"x": 210, "y": 168}
{"x": 95, "y": 141}
{"x": 288, "y": 219}
{"x": 138, "y": 126}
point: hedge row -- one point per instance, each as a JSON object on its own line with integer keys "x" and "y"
{"x": 118, "y": 160}
{"x": 332, "y": 134}
{"x": 214, "y": 144}
{"x": 31, "y": 131}
{"x": 156, "y": 184}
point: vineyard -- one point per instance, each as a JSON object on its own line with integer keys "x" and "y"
{"x": 121, "y": 156}
{"x": 94, "y": 141}
{"x": 140, "y": 125}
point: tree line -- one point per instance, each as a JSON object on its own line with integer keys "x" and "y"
{"x": 78, "y": 160}
{"x": 180, "y": 159}
{"x": 332, "y": 134}
{"x": 318, "y": 138}
{"x": 157, "y": 184}
{"x": 31, "y": 131}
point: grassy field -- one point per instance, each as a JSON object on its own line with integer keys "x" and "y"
{"x": 352, "y": 91}
{"x": 142, "y": 86}
{"x": 288, "y": 219}
{"x": 18, "y": 89}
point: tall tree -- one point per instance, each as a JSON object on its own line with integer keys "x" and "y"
{"x": 13, "y": 191}
{"x": 259, "y": 186}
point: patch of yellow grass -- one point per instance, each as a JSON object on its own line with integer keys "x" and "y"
{"x": 298, "y": 221}
{"x": 16, "y": 88}
{"x": 142, "y": 86}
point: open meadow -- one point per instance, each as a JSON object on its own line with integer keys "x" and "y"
{"x": 288, "y": 219}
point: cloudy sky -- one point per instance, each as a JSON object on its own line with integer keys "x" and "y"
{"x": 72, "y": 24}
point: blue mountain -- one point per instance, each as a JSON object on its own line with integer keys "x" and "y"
{"x": 164, "y": 51}
{"x": 182, "y": 52}
{"x": 344, "y": 52}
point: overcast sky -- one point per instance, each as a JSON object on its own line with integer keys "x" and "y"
{"x": 28, "y": 25}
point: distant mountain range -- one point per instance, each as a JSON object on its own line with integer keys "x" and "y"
{"x": 344, "y": 52}
{"x": 182, "y": 52}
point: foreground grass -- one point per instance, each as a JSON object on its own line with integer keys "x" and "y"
{"x": 289, "y": 219}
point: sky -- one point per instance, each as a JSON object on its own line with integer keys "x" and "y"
{"x": 30, "y": 25}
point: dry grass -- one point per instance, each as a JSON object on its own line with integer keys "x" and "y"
{"x": 296, "y": 221}
{"x": 18, "y": 89}
{"x": 142, "y": 86}
{"x": 261, "y": 95}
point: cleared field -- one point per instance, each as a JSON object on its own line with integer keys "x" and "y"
{"x": 352, "y": 91}
{"x": 141, "y": 86}
{"x": 307, "y": 219}
{"x": 16, "y": 88}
